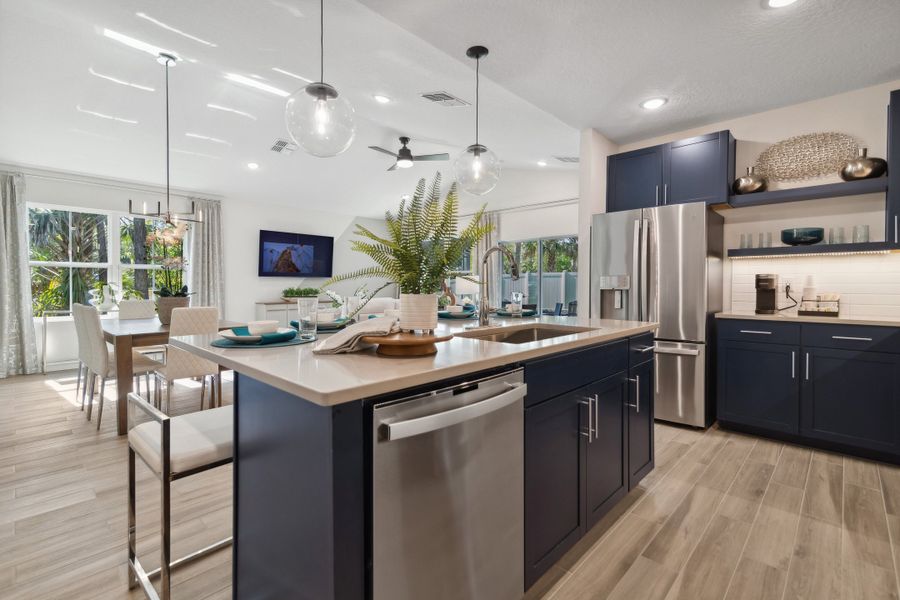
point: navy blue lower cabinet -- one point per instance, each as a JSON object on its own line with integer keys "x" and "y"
{"x": 759, "y": 385}
{"x": 606, "y": 475}
{"x": 852, "y": 398}
{"x": 640, "y": 422}
{"x": 553, "y": 459}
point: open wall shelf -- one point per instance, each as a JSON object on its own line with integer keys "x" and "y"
{"x": 814, "y": 250}
{"x": 830, "y": 190}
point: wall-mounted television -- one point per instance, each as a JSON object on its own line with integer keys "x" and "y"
{"x": 294, "y": 254}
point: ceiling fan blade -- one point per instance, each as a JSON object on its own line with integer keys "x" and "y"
{"x": 382, "y": 150}
{"x": 393, "y": 167}
{"x": 444, "y": 156}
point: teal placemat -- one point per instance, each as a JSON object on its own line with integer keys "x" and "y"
{"x": 444, "y": 314}
{"x": 223, "y": 343}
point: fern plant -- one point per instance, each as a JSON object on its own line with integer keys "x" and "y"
{"x": 423, "y": 245}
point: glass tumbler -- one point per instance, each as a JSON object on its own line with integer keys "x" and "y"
{"x": 307, "y": 311}
{"x": 860, "y": 234}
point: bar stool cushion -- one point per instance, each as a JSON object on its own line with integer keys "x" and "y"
{"x": 196, "y": 440}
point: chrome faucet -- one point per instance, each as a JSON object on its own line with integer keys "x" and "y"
{"x": 484, "y": 309}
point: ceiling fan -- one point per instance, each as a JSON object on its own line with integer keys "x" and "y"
{"x": 404, "y": 158}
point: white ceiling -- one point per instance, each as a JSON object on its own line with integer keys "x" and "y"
{"x": 591, "y": 62}
{"x": 49, "y": 47}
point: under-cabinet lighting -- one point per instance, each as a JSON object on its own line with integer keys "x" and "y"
{"x": 854, "y": 253}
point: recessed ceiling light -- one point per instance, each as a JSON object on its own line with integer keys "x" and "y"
{"x": 94, "y": 113}
{"x": 174, "y": 30}
{"x": 381, "y": 99}
{"x": 208, "y": 138}
{"x": 120, "y": 81}
{"x": 653, "y": 103}
{"x": 294, "y": 75}
{"x": 542, "y": 163}
{"x": 252, "y": 166}
{"x": 250, "y": 82}
{"x": 230, "y": 110}
{"x": 780, "y": 3}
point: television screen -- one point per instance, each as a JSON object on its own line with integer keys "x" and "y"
{"x": 294, "y": 254}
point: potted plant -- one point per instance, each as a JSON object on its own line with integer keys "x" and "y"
{"x": 173, "y": 293}
{"x": 423, "y": 247}
{"x": 292, "y": 293}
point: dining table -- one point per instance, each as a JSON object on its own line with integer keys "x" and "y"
{"x": 125, "y": 335}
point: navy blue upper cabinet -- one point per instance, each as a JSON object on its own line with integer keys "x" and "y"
{"x": 634, "y": 179}
{"x": 893, "y": 193}
{"x": 852, "y": 398}
{"x": 606, "y": 478}
{"x": 758, "y": 384}
{"x": 699, "y": 169}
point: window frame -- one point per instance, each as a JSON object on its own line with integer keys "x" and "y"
{"x": 540, "y": 260}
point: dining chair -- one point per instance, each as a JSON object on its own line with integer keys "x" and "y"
{"x": 81, "y": 342}
{"x": 100, "y": 359}
{"x": 181, "y": 364}
{"x": 173, "y": 448}
{"x": 141, "y": 309}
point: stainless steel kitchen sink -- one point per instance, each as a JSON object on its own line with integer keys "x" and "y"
{"x": 523, "y": 334}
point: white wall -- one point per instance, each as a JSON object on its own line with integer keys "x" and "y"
{"x": 860, "y": 113}
{"x": 551, "y": 221}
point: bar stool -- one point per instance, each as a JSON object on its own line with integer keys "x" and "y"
{"x": 173, "y": 448}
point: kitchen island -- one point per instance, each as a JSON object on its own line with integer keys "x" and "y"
{"x": 308, "y": 522}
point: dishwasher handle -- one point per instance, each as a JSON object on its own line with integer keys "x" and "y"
{"x": 448, "y": 418}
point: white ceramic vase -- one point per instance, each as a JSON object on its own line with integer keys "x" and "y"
{"x": 418, "y": 312}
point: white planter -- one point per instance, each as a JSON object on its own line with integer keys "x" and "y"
{"x": 418, "y": 311}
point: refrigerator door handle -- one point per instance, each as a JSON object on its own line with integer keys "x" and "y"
{"x": 645, "y": 270}
{"x": 678, "y": 351}
{"x": 634, "y": 294}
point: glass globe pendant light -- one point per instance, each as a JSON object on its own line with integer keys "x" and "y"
{"x": 477, "y": 169}
{"x": 317, "y": 117}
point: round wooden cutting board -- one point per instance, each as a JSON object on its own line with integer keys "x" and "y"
{"x": 406, "y": 344}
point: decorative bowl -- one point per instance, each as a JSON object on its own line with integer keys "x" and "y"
{"x": 802, "y": 236}
{"x": 261, "y": 327}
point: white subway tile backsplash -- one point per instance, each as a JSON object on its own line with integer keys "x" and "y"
{"x": 869, "y": 285}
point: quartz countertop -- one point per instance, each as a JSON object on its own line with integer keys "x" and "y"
{"x": 330, "y": 379}
{"x": 793, "y": 317}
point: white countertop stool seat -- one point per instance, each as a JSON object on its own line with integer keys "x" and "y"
{"x": 173, "y": 448}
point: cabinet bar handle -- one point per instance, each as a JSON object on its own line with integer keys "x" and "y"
{"x": 793, "y": 365}
{"x": 897, "y": 229}
{"x": 756, "y": 332}
{"x": 807, "y": 366}
{"x": 657, "y": 195}
{"x": 637, "y": 394}
{"x": 590, "y": 432}
{"x": 851, "y": 338}
{"x": 647, "y": 349}
{"x": 596, "y": 416}
{"x": 665, "y": 193}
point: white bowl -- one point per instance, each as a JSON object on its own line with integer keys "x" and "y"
{"x": 454, "y": 308}
{"x": 261, "y": 327}
{"x": 326, "y": 316}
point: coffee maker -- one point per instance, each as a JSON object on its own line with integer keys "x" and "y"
{"x": 766, "y": 294}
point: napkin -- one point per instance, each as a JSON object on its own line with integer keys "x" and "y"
{"x": 349, "y": 339}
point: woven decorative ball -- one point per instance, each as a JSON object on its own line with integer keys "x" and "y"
{"x": 807, "y": 156}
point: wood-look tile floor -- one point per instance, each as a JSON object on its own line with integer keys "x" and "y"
{"x": 723, "y": 515}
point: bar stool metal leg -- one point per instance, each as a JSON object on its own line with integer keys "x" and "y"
{"x": 100, "y": 407}
{"x": 90, "y": 406}
{"x": 165, "y": 547}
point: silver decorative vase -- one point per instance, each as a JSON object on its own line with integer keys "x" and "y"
{"x": 749, "y": 183}
{"x": 863, "y": 167}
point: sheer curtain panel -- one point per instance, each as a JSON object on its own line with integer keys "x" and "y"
{"x": 18, "y": 348}
{"x": 207, "y": 278}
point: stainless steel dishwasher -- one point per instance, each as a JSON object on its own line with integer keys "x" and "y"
{"x": 448, "y": 493}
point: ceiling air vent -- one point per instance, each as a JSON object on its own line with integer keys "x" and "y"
{"x": 444, "y": 99}
{"x": 283, "y": 147}
{"x": 567, "y": 159}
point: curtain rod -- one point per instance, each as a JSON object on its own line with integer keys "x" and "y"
{"x": 51, "y": 175}
{"x": 535, "y": 206}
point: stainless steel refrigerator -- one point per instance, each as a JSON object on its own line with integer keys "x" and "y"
{"x": 664, "y": 264}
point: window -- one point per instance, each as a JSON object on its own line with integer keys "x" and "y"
{"x": 548, "y": 272}
{"x": 73, "y": 252}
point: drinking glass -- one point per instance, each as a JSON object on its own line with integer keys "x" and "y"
{"x": 762, "y": 240}
{"x": 744, "y": 240}
{"x": 768, "y": 239}
{"x": 860, "y": 234}
{"x": 839, "y": 235}
{"x": 307, "y": 313}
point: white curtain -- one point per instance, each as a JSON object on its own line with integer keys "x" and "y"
{"x": 207, "y": 278}
{"x": 18, "y": 347}
{"x": 490, "y": 279}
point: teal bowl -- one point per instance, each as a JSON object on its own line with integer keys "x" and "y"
{"x": 802, "y": 236}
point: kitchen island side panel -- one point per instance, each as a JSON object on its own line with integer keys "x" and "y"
{"x": 299, "y": 497}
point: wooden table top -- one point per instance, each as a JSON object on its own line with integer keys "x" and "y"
{"x": 152, "y": 326}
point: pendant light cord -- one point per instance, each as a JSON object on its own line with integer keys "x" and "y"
{"x": 321, "y": 41}
{"x": 477, "y": 101}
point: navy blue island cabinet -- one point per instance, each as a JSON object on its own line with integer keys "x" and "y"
{"x": 303, "y": 481}
{"x": 588, "y": 440}
{"x": 697, "y": 169}
{"x": 831, "y": 386}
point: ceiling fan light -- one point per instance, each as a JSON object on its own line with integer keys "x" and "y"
{"x": 404, "y": 163}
